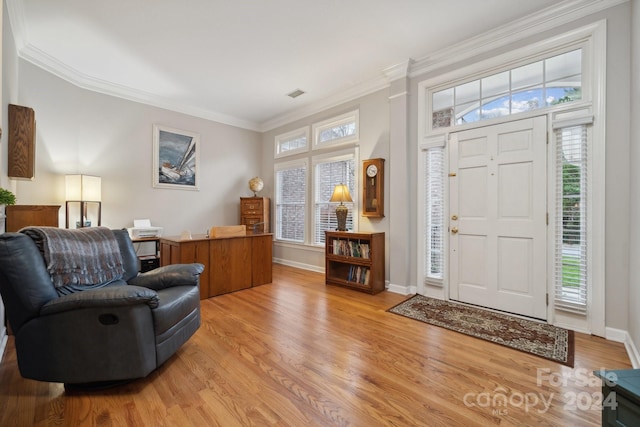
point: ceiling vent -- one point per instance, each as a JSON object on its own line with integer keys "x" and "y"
{"x": 296, "y": 93}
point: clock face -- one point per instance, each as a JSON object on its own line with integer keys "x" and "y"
{"x": 372, "y": 171}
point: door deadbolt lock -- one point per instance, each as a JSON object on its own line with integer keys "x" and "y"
{"x": 454, "y": 217}
{"x": 454, "y": 230}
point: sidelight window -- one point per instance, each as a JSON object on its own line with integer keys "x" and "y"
{"x": 571, "y": 243}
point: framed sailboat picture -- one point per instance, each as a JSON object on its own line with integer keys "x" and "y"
{"x": 175, "y": 158}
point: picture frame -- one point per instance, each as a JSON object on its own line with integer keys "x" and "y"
{"x": 176, "y": 158}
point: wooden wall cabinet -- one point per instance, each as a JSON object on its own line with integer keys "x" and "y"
{"x": 255, "y": 210}
{"x": 19, "y": 216}
{"x": 231, "y": 263}
{"x": 21, "y": 145}
{"x": 355, "y": 260}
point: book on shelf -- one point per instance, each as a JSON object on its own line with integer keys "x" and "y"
{"x": 358, "y": 274}
{"x": 351, "y": 248}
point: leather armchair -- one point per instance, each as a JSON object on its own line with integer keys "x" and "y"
{"x": 118, "y": 332}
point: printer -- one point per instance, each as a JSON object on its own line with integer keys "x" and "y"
{"x": 142, "y": 229}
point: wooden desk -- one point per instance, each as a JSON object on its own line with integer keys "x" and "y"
{"x": 231, "y": 263}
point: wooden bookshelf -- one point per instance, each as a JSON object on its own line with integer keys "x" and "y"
{"x": 355, "y": 260}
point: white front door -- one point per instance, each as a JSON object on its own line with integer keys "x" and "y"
{"x": 498, "y": 215}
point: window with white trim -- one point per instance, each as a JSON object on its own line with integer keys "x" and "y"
{"x": 294, "y": 142}
{"x": 547, "y": 82}
{"x": 571, "y": 243}
{"x": 434, "y": 224}
{"x": 291, "y": 197}
{"x": 329, "y": 172}
{"x": 338, "y": 130}
{"x": 303, "y": 211}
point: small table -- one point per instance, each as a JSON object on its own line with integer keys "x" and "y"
{"x": 620, "y": 397}
{"x": 148, "y": 262}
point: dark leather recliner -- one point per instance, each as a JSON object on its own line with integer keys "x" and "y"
{"x": 114, "y": 333}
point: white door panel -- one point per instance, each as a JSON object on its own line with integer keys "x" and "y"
{"x": 498, "y": 217}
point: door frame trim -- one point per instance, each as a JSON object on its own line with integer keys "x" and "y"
{"x": 593, "y": 37}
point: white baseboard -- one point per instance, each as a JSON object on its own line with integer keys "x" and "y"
{"x": 618, "y": 335}
{"x": 309, "y": 267}
{"x": 402, "y": 289}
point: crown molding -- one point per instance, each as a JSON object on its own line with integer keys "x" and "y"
{"x": 551, "y": 17}
{"x": 48, "y": 63}
{"x": 546, "y": 19}
{"x": 39, "y": 58}
{"x": 398, "y": 71}
{"x": 341, "y": 97}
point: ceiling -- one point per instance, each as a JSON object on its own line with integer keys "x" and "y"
{"x": 235, "y": 61}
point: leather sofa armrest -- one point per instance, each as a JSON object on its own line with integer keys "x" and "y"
{"x": 169, "y": 276}
{"x": 111, "y": 296}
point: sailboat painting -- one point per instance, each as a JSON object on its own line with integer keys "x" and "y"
{"x": 175, "y": 158}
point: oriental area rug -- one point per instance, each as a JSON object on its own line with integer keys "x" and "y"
{"x": 537, "y": 338}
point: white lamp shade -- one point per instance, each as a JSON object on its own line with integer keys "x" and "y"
{"x": 83, "y": 188}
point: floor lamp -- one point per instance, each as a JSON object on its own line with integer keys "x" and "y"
{"x": 83, "y": 189}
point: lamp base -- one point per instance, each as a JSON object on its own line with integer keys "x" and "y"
{"x": 341, "y": 215}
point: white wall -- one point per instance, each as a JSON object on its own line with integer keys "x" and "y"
{"x": 3, "y": 329}
{"x": 374, "y": 142}
{"x": 9, "y": 93}
{"x": 617, "y": 149}
{"x": 79, "y": 131}
{"x": 617, "y": 167}
{"x": 634, "y": 193}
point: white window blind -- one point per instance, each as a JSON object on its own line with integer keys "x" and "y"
{"x": 328, "y": 174}
{"x": 291, "y": 193}
{"x": 571, "y": 219}
{"x": 434, "y": 217}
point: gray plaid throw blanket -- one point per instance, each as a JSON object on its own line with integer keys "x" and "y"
{"x": 86, "y": 256}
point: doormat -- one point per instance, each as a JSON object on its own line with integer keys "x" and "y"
{"x": 539, "y": 339}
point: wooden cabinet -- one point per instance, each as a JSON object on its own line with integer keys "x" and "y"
{"x": 620, "y": 397}
{"x": 19, "y": 216}
{"x": 261, "y": 259}
{"x": 355, "y": 260}
{"x": 232, "y": 260}
{"x": 186, "y": 252}
{"x": 231, "y": 263}
{"x": 254, "y": 211}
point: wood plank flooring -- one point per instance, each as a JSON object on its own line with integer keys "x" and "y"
{"x": 299, "y": 353}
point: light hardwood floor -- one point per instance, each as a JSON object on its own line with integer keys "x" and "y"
{"x": 299, "y": 353}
